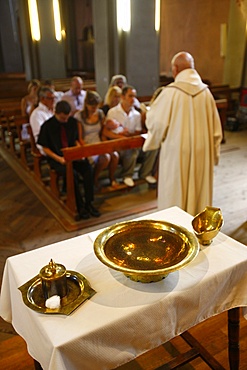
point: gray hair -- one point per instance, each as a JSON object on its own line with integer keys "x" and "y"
{"x": 116, "y": 78}
{"x": 43, "y": 92}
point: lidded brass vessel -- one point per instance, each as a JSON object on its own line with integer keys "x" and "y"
{"x": 54, "y": 282}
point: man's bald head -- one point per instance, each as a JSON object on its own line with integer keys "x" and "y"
{"x": 76, "y": 85}
{"x": 181, "y": 61}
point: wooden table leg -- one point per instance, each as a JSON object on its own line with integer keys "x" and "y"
{"x": 233, "y": 338}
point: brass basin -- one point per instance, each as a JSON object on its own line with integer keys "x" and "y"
{"x": 207, "y": 224}
{"x": 146, "y": 251}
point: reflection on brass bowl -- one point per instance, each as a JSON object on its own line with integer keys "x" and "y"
{"x": 207, "y": 224}
{"x": 146, "y": 251}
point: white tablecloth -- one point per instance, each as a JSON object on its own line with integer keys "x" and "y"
{"x": 124, "y": 318}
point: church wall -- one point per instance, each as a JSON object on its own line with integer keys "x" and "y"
{"x": 194, "y": 26}
{"x": 191, "y": 25}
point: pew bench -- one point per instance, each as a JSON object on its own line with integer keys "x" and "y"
{"x": 4, "y": 131}
{"x": 8, "y": 132}
{"x": 64, "y": 84}
{"x": 27, "y": 151}
{"x": 11, "y": 136}
{"x": 38, "y": 158}
{"x": 12, "y": 110}
{"x": 53, "y": 182}
{"x": 50, "y": 179}
{"x": 78, "y": 152}
{"x": 231, "y": 94}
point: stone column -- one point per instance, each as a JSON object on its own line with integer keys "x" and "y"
{"x": 45, "y": 58}
{"x": 134, "y": 54}
{"x": 10, "y": 50}
{"x": 234, "y": 69}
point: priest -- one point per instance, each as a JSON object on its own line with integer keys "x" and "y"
{"x": 184, "y": 123}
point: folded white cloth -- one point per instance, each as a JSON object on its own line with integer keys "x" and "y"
{"x": 53, "y": 302}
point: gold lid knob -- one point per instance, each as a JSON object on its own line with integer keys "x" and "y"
{"x": 52, "y": 271}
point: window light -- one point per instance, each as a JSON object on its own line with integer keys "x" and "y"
{"x": 157, "y": 15}
{"x": 57, "y": 20}
{"x": 123, "y": 15}
{"x": 34, "y": 19}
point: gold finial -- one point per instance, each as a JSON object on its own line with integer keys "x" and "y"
{"x": 52, "y": 266}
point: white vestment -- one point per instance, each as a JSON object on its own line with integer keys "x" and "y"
{"x": 184, "y": 122}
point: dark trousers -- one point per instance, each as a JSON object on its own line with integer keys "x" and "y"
{"x": 83, "y": 168}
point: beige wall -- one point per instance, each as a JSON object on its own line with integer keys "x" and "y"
{"x": 194, "y": 26}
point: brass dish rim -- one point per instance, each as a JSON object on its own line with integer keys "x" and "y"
{"x": 177, "y": 229}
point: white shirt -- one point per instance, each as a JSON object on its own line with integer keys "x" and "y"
{"x": 76, "y": 101}
{"x": 58, "y": 96}
{"x": 37, "y": 118}
{"x": 131, "y": 121}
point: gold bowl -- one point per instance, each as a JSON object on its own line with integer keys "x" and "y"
{"x": 207, "y": 224}
{"x": 146, "y": 251}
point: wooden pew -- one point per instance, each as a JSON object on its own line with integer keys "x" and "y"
{"x": 38, "y": 161}
{"x": 24, "y": 143}
{"x": 12, "y": 90}
{"x": 78, "y": 152}
{"x": 12, "y": 86}
{"x": 4, "y": 130}
{"x": 8, "y": 132}
{"x": 231, "y": 94}
{"x": 75, "y": 153}
{"x": 64, "y": 84}
{"x": 12, "y": 126}
{"x": 10, "y": 110}
{"x": 38, "y": 158}
{"x": 222, "y": 106}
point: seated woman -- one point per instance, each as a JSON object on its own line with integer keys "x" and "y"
{"x": 112, "y": 98}
{"x": 28, "y": 103}
{"x": 92, "y": 122}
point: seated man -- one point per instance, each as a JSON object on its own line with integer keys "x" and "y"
{"x": 57, "y": 94}
{"x": 125, "y": 120}
{"x": 42, "y": 112}
{"x": 61, "y": 131}
{"x": 75, "y": 96}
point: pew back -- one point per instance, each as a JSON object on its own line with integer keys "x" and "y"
{"x": 79, "y": 152}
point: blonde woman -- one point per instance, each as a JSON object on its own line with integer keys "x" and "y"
{"x": 112, "y": 98}
{"x": 28, "y": 103}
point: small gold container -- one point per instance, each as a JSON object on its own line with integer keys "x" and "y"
{"x": 207, "y": 224}
{"x": 54, "y": 282}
